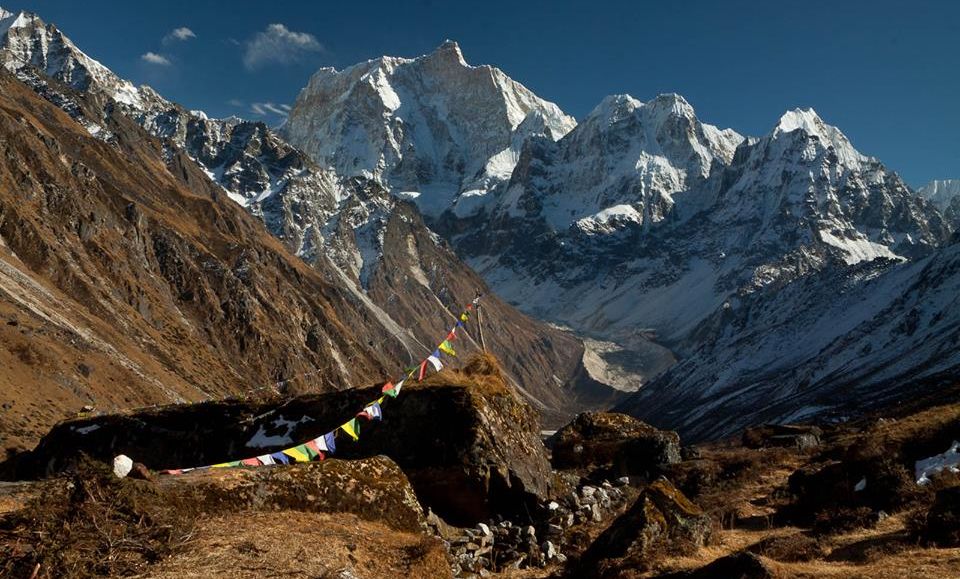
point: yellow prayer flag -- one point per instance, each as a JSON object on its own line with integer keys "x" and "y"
{"x": 447, "y": 349}
{"x": 352, "y": 428}
{"x": 296, "y": 455}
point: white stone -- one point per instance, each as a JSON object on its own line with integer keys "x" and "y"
{"x": 122, "y": 465}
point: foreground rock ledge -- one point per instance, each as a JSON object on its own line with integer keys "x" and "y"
{"x": 467, "y": 442}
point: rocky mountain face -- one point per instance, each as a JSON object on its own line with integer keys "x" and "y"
{"x": 831, "y": 344}
{"x": 945, "y": 195}
{"x": 672, "y": 217}
{"x": 429, "y": 128}
{"x": 639, "y": 222}
{"x": 129, "y": 278}
{"x": 337, "y": 224}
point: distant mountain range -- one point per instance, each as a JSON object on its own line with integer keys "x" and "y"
{"x": 760, "y": 262}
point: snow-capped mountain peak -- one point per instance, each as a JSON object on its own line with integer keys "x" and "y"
{"x": 428, "y": 128}
{"x": 809, "y": 122}
{"x": 941, "y": 192}
{"x": 25, "y": 40}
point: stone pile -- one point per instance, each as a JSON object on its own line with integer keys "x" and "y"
{"x": 494, "y": 547}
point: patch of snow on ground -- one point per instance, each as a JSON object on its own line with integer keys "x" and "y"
{"x": 949, "y": 461}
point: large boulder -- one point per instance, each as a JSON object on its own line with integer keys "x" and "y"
{"x": 614, "y": 445}
{"x": 662, "y": 521}
{"x": 374, "y": 489}
{"x": 359, "y": 515}
{"x": 468, "y": 443}
{"x": 846, "y": 494}
{"x": 943, "y": 520}
{"x": 743, "y": 565}
{"x": 801, "y": 437}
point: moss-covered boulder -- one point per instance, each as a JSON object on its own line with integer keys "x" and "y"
{"x": 662, "y": 521}
{"x": 613, "y": 445}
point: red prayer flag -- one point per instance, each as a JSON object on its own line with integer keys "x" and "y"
{"x": 386, "y": 387}
{"x": 423, "y": 371}
{"x": 250, "y": 462}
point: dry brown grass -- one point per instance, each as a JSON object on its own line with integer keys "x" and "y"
{"x": 92, "y": 524}
{"x": 302, "y": 545}
{"x": 482, "y": 374}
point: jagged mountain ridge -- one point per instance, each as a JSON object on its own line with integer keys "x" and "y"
{"x": 126, "y": 283}
{"x": 670, "y": 240}
{"x": 945, "y": 195}
{"x": 429, "y": 128}
{"x": 334, "y": 223}
{"x": 835, "y": 343}
{"x": 642, "y": 220}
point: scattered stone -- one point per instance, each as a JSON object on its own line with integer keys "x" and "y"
{"x": 122, "y": 465}
{"x": 139, "y": 471}
{"x": 485, "y": 529}
{"x": 549, "y": 550}
{"x": 801, "y": 437}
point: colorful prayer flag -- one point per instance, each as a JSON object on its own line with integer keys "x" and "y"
{"x": 464, "y": 317}
{"x": 434, "y": 359}
{"x": 352, "y": 428}
{"x": 314, "y": 449}
{"x": 396, "y": 388}
{"x": 387, "y": 387}
{"x": 265, "y": 459}
{"x": 297, "y": 453}
{"x": 447, "y": 349}
{"x": 250, "y": 462}
{"x": 373, "y": 412}
{"x": 330, "y": 441}
{"x": 279, "y": 457}
{"x": 423, "y": 371}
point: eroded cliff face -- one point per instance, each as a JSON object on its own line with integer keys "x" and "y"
{"x": 129, "y": 279}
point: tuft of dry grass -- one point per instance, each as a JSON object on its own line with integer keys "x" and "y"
{"x": 92, "y": 524}
{"x": 482, "y": 374}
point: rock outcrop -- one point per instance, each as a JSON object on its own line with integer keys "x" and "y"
{"x": 613, "y": 445}
{"x": 359, "y": 516}
{"x": 468, "y": 443}
{"x": 943, "y": 520}
{"x": 373, "y": 488}
{"x": 662, "y": 521}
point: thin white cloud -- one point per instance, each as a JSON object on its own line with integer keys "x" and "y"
{"x": 179, "y": 35}
{"x": 264, "y": 109}
{"x": 154, "y": 58}
{"x": 235, "y": 102}
{"x": 280, "y": 45}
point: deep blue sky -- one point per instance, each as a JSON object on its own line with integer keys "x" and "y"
{"x": 887, "y": 73}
